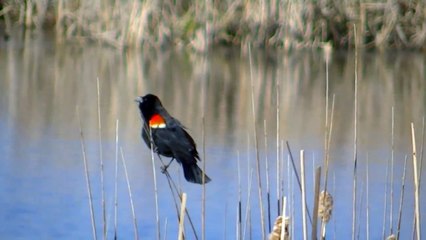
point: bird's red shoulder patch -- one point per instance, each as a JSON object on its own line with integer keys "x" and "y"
{"x": 157, "y": 121}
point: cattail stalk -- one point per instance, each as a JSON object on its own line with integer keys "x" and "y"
{"x": 316, "y": 202}
{"x": 401, "y": 200}
{"x": 182, "y": 217}
{"x": 135, "y": 223}
{"x": 267, "y": 177}
{"x": 416, "y": 184}
{"x": 101, "y": 161}
{"x": 259, "y": 181}
{"x": 88, "y": 184}
{"x": 157, "y": 217}
{"x": 116, "y": 183}
{"x": 355, "y": 158}
{"x": 302, "y": 177}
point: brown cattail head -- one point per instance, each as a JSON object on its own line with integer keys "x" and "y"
{"x": 391, "y": 237}
{"x": 325, "y": 206}
{"x": 276, "y": 232}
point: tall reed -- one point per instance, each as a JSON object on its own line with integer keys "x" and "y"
{"x": 259, "y": 181}
{"x": 101, "y": 161}
{"x": 416, "y": 184}
{"x": 355, "y": 155}
{"x": 129, "y": 189}
{"x": 288, "y": 24}
{"x": 86, "y": 173}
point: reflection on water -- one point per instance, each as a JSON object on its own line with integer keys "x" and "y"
{"x": 42, "y": 185}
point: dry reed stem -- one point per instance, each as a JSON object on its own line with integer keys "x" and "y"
{"x": 182, "y": 217}
{"x": 165, "y": 229}
{"x": 135, "y": 224}
{"x": 116, "y": 183}
{"x": 284, "y": 227}
{"x": 367, "y": 180}
{"x": 302, "y": 178}
{"x": 392, "y": 175}
{"x": 420, "y": 171}
{"x": 174, "y": 190}
{"x": 86, "y": 173}
{"x": 239, "y": 198}
{"x": 316, "y": 202}
{"x": 385, "y": 201}
{"x": 360, "y": 207}
{"x": 355, "y": 141}
{"x": 246, "y": 221}
{"x": 154, "y": 174}
{"x": 297, "y": 178}
{"x": 326, "y": 146}
{"x": 334, "y": 219}
{"x": 203, "y": 195}
{"x": 421, "y": 152}
{"x": 401, "y": 200}
{"x": 328, "y": 134}
{"x": 101, "y": 161}
{"x": 416, "y": 184}
{"x": 267, "y": 177}
{"x": 259, "y": 180}
{"x": 278, "y": 146}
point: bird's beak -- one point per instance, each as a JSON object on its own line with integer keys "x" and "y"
{"x": 139, "y": 100}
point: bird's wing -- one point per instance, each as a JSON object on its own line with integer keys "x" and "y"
{"x": 179, "y": 142}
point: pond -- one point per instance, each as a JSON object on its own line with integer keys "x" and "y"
{"x": 47, "y": 86}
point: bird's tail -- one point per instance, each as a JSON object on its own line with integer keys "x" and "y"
{"x": 194, "y": 174}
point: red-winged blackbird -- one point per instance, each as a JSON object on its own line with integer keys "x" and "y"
{"x": 169, "y": 137}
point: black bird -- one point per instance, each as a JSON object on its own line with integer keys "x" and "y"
{"x": 169, "y": 137}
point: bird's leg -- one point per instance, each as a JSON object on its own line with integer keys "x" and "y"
{"x": 164, "y": 168}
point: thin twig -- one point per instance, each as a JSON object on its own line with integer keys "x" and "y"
{"x": 175, "y": 190}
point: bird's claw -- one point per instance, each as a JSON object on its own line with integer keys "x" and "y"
{"x": 163, "y": 169}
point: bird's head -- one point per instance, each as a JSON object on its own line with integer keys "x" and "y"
{"x": 149, "y": 105}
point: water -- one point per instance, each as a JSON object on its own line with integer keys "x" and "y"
{"x": 42, "y": 183}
